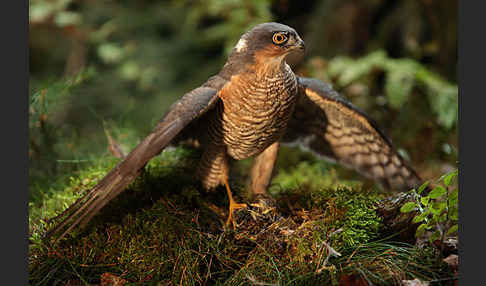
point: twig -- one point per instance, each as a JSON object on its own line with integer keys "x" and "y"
{"x": 330, "y": 252}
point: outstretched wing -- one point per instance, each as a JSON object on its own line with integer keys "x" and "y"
{"x": 190, "y": 107}
{"x": 330, "y": 126}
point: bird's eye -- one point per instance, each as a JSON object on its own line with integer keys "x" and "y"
{"x": 279, "y": 38}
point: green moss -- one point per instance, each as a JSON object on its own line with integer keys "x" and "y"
{"x": 348, "y": 210}
{"x": 165, "y": 229}
{"x": 355, "y": 219}
{"x": 63, "y": 193}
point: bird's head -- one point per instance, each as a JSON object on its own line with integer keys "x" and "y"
{"x": 268, "y": 43}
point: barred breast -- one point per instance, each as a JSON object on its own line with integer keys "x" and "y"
{"x": 255, "y": 112}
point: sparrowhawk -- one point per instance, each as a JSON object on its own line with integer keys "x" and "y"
{"x": 252, "y": 105}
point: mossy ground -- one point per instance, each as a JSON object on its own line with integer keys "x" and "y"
{"x": 165, "y": 230}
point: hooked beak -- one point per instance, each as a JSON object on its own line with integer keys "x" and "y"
{"x": 300, "y": 45}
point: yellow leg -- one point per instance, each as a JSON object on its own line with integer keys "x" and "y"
{"x": 232, "y": 205}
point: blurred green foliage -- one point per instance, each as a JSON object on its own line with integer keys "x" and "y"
{"x": 57, "y": 11}
{"x": 401, "y": 76}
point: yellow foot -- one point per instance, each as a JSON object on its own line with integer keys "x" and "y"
{"x": 232, "y": 206}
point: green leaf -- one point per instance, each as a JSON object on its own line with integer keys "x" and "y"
{"x": 452, "y": 230}
{"x": 420, "y": 230}
{"x": 350, "y": 70}
{"x": 438, "y": 206}
{"x": 422, "y": 187}
{"x": 453, "y": 214}
{"x": 442, "y": 96}
{"x": 437, "y": 192}
{"x": 443, "y": 217}
{"x": 399, "y": 81}
{"x": 453, "y": 197}
{"x": 452, "y": 208}
{"x": 451, "y": 176}
{"x": 435, "y": 236}
{"x": 408, "y": 207}
{"x": 424, "y": 200}
{"x": 421, "y": 217}
{"x": 448, "y": 104}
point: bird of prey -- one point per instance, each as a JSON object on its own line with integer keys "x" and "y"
{"x": 252, "y": 105}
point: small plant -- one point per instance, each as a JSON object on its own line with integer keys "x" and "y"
{"x": 437, "y": 211}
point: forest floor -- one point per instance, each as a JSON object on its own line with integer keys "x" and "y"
{"x": 164, "y": 230}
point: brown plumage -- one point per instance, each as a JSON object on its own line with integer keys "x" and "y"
{"x": 254, "y": 103}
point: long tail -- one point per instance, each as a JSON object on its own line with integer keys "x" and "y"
{"x": 115, "y": 181}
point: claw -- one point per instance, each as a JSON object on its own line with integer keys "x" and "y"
{"x": 232, "y": 206}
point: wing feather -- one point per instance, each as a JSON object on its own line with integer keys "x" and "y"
{"x": 187, "y": 109}
{"x": 332, "y": 127}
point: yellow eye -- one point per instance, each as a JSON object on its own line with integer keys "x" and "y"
{"x": 279, "y": 38}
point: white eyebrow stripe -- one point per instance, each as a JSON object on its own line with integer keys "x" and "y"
{"x": 241, "y": 45}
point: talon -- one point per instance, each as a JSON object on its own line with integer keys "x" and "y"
{"x": 232, "y": 206}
